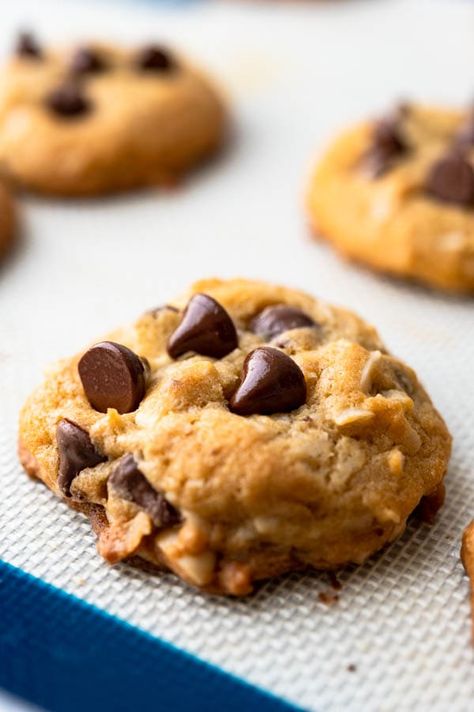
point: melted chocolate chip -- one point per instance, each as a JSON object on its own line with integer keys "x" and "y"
{"x": 274, "y": 320}
{"x": 27, "y": 46}
{"x": 68, "y": 101}
{"x": 451, "y": 179}
{"x": 87, "y": 61}
{"x": 154, "y": 59}
{"x": 387, "y": 145}
{"x": 271, "y": 382}
{"x": 113, "y": 377}
{"x": 205, "y": 328}
{"x": 76, "y": 452}
{"x": 131, "y": 484}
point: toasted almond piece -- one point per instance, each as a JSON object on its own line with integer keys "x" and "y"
{"x": 198, "y": 569}
{"x": 119, "y": 541}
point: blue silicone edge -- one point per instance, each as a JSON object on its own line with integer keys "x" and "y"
{"x": 65, "y": 655}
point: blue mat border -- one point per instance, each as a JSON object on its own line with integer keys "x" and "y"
{"x": 65, "y": 655}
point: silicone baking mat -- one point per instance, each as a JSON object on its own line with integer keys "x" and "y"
{"x": 398, "y": 636}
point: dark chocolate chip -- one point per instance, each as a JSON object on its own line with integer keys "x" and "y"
{"x": 205, "y": 328}
{"x": 276, "y": 319}
{"x": 113, "y": 377}
{"x": 387, "y": 145}
{"x": 87, "y": 61}
{"x": 27, "y": 46}
{"x": 386, "y": 135}
{"x": 154, "y": 59}
{"x": 68, "y": 101}
{"x": 451, "y": 179}
{"x": 271, "y": 382}
{"x": 131, "y": 484}
{"x": 76, "y": 452}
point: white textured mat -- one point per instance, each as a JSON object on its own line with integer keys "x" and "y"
{"x": 398, "y": 639}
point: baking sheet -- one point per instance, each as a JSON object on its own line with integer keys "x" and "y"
{"x": 398, "y": 637}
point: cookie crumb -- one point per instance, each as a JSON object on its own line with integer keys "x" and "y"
{"x": 334, "y": 581}
{"x": 328, "y": 598}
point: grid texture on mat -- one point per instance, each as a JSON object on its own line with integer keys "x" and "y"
{"x": 398, "y": 638}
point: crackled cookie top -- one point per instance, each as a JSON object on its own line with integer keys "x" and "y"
{"x": 238, "y": 432}
{"x": 95, "y": 118}
{"x": 398, "y": 194}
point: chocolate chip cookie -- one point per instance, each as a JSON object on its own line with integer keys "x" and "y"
{"x": 8, "y": 221}
{"x": 239, "y": 432}
{"x": 398, "y": 195}
{"x": 96, "y": 119}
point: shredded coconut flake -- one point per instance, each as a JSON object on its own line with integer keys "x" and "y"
{"x": 367, "y": 372}
{"x": 353, "y": 415}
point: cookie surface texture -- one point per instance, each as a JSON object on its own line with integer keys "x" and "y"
{"x": 398, "y": 195}
{"x": 296, "y": 447}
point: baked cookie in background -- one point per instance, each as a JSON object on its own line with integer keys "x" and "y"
{"x": 239, "y": 432}
{"x": 398, "y": 195}
{"x": 8, "y": 220}
{"x": 467, "y": 557}
{"x": 96, "y": 119}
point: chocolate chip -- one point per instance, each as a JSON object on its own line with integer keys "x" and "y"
{"x": 205, "y": 328}
{"x": 76, "y": 452}
{"x": 276, "y": 319}
{"x": 154, "y": 59}
{"x": 387, "y": 145}
{"x": 131, "y": 484}
{"x": 271, "y": 382}
{"x": 451, "y": 179}
{"x": 68, "y": 101}
{"x": 113, "y": 377}
{"x": 27, "y": 46}
{"x": 87, "y": 61}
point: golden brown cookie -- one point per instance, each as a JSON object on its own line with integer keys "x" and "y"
{"x": 98, "y": 119}
{"x": 241, "y": 431}
{"x": 467, "y": 556}
{"x": 398, "y": 195}
{"x": 8, "y": 222}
